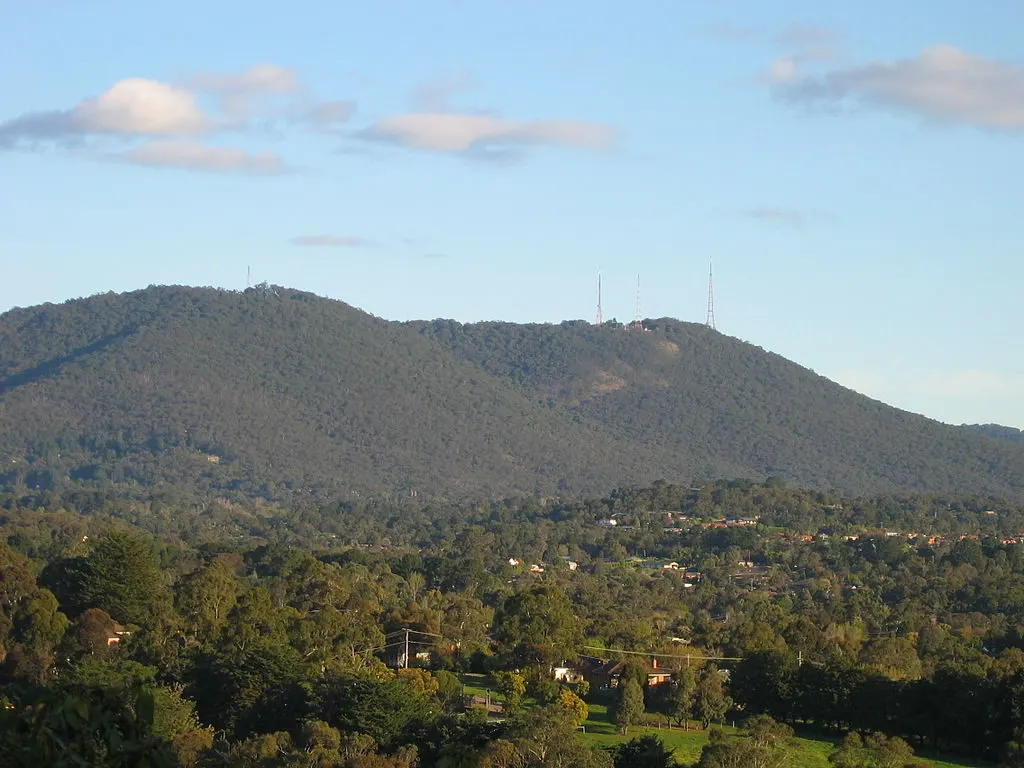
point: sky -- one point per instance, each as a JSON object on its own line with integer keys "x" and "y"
{"x": 854, "y": 171}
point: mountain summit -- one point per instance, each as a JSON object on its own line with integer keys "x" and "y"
{"x": 275, "y": 392}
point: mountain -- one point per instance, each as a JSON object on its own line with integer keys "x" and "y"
{"x": 274, "y": 392}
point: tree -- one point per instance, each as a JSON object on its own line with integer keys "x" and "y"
{"x": 122, "y": 576}
{"x": 79, "y": 727}
{"x": 38, "y": 630}
{"x": 512, "y": 687}
{"x": 740, "y": 753}
{"x": 763, "y": 683}
{"x": 89, "y": 635}
{"x": 537, "y": 625}
{"x": 766, "y": 732}
{"x": 16, "y": 584}
{"x": 255, "y": 689}
{"x": 383, "y": 709}
{"x": 874, "y": 750}
{"x": 574, "y": 705}
{"x": 710, "y": 702}
{"x": 545, "y": 738}
{"x": 679, "y": 696}
{"x": 449, "y": 689}
{"x": 644, "y": 752}
{"x": 629, "y": 706}
{"x": 205, "y": 597}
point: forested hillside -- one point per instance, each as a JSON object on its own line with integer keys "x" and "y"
{"x": 277, "y": 393}
{"x": 1010, "y": 434}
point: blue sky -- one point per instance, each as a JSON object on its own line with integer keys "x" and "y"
{"x": 855, "y": 170}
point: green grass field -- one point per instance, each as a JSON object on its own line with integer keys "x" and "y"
{"x": 686, "y": 745}
{"x": 600, "y": 730}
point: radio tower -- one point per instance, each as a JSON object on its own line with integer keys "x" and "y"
{"x": 637, "y": 320}
{"x": 600, "y": 312}
{"x": 710, "y": 322}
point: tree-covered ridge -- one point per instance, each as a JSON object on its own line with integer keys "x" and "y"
{"x": 271, "y": 391}
{"x": 999, "y": 432}
{"x": 281, "y": 394}
{"x": 719, "y": 406}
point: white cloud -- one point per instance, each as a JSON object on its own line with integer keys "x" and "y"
{"x": 439, "y": 132}
{"x": 136, "y": 109}
{"x": 331, "y": 241}
{"x": 131, "y": 108}
{"x": 193, "y": 156}
{"x": 943, "y": 83}
{"x": 141, "y": 107}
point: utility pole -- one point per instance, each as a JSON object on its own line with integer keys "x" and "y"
{"x": 406, "y": 661}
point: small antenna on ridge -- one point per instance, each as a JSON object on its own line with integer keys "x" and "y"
{"x": 710, "y": 322}
{"x": 248, "y": 277}
{"x": 600, "y": 312}
{"x": 636, "y": 318}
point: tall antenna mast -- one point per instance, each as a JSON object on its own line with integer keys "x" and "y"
{"x": 636, "y": 318}
{"x": 248, "y": 277}
{"x": 600, "y": 312}
{"x": 710, "y": 322}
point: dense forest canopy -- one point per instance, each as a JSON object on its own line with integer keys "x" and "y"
{"x": 282, "y": 395}
{"x": 154, "y": 633}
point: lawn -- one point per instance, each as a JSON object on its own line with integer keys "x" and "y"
{"x": 686, "y": 745}
{"x": 477, "y": 685}
{"x": 600, "y": 730}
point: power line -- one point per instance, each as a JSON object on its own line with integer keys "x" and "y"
{"x": 695, "y": 656}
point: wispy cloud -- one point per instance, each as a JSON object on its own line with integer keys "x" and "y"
{"x": 810, "y": 42}
{"x": 331, "y": 241}
{"x": 262, "y": 78}
{"x": 244, "y": 95}
{"x": 460, "y": 133}
{"x": 943, "y": 83}
{"x": 802, "y": 45}
{"x": 329, "y": 115}
{"x": 777, "y": 215}
{"x": 194, "y": 156}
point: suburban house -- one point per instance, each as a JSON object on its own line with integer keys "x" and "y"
{"x": 662, "y": 565}
{"x": 567, "y": 673}
{"x": 606, "y": 674}
{"x": 115, "y": 633}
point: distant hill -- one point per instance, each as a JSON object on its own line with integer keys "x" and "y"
{"x": 273, "y": 392}
{"x": 998, "y": 431}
